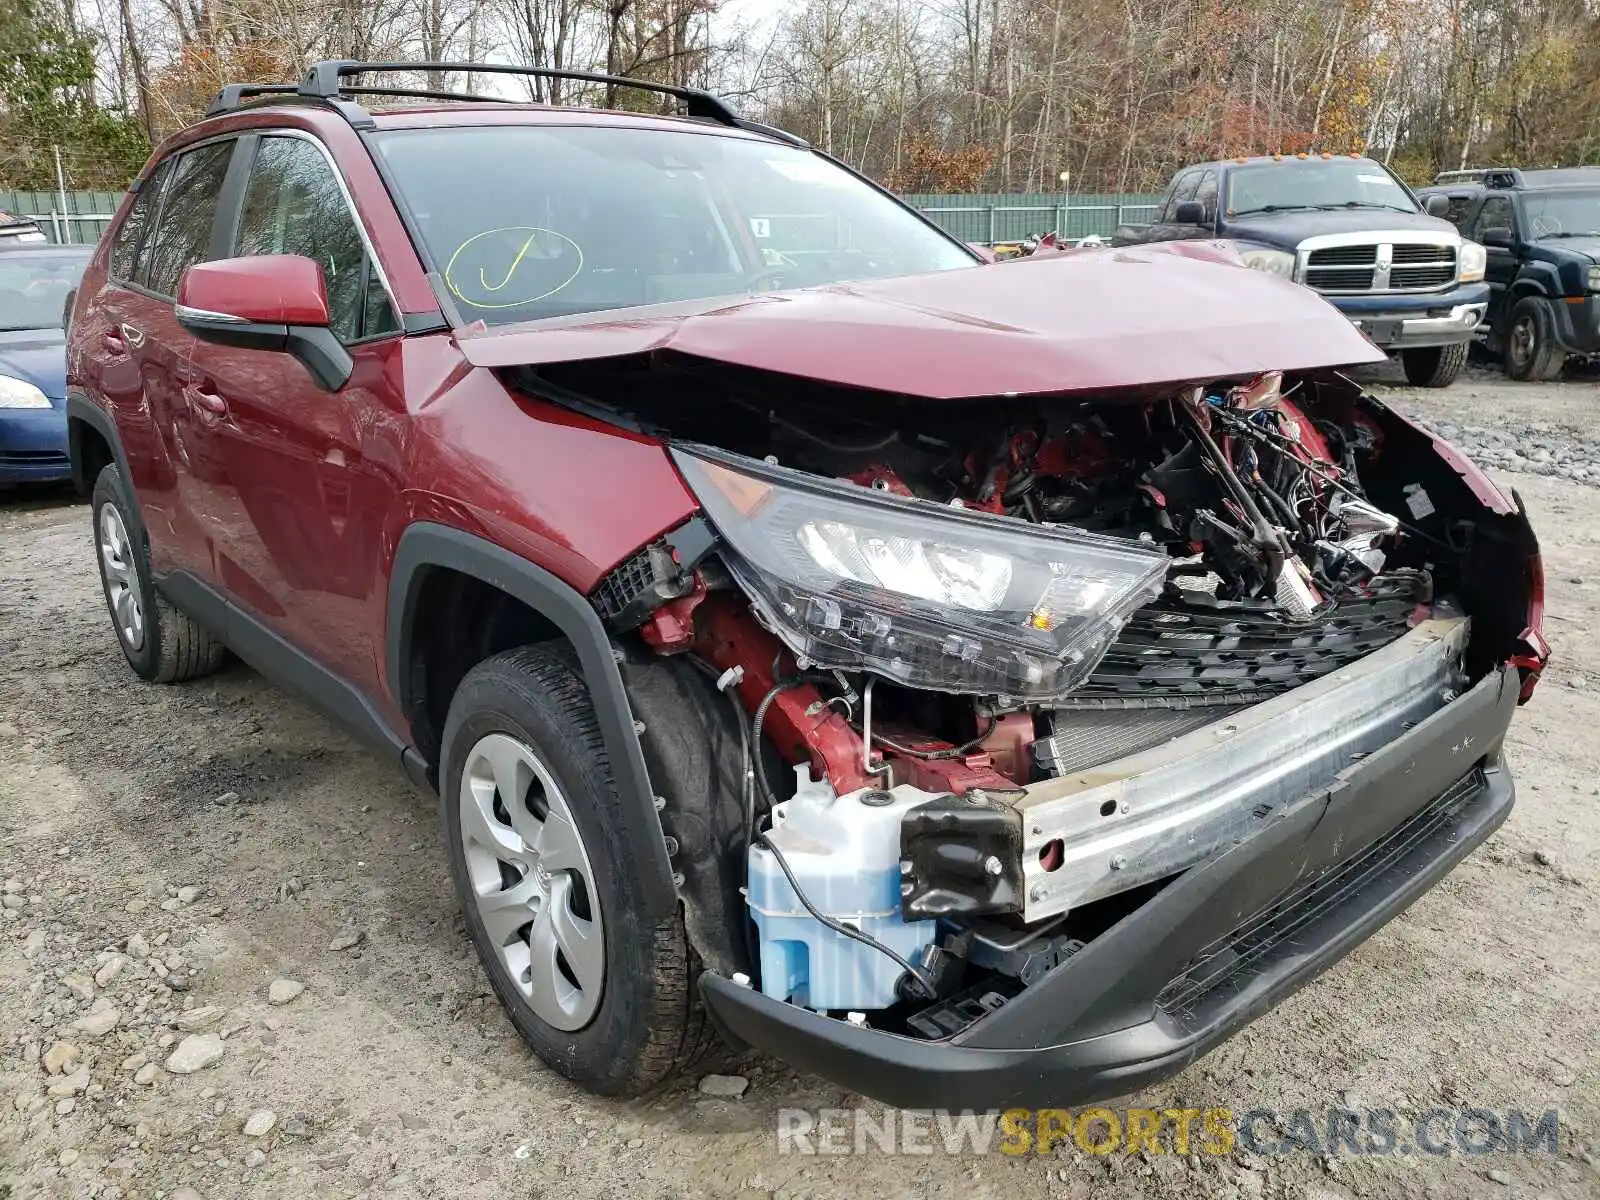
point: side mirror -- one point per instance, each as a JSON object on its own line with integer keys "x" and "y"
{"x": 1436, "y": 205}
{"x": 1501, "y": 238}
{"x": 266, "y": 302}
{"x": 1190, "y": 212}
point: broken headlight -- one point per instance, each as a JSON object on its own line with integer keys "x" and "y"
{"x": 933, "y": 597}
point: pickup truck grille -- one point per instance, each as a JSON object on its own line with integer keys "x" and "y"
{"x": 1380, "y": 267}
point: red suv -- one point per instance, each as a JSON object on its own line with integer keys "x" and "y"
{"x": 979, "y": 684}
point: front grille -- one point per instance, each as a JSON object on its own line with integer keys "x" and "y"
{"x": 1343, "y": 256}
{"x": 1185, "y": 650}
{"x": 1404, "y": 254}
{"x": 1416, "y": 279}
{"x": 33, "y": 458}
{"x": 1381, "y": 267}
{"x": 1347, "y": 280}
{"x": 1228, "y": 964}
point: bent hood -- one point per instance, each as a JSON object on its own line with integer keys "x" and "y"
{"x": 1088, "y": 321}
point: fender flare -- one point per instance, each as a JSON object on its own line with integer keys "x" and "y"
{"x": 83, "y": 411}
{"x": 426, "y": 545}
{"x": 1534, "y": 280}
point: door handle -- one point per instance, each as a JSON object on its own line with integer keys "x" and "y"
{"x": 112, "y": 341}
{"x": 133, "y": 334}
{"x": 205, "y": 398}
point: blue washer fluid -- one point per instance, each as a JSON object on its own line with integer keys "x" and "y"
{"x": 845, "y": 854}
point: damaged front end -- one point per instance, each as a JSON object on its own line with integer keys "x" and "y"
{"x": 947, "y": 701}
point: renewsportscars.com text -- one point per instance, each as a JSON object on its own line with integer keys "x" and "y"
{"x": 1210, "y": 1131}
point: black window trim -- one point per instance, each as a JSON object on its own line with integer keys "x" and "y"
{"x": 236, "y": 213}
{"x": 173, "y": 156}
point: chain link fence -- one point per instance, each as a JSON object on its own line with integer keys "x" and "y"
{"x": 989, "y": 218}
{"x": 82, "y": 221}
{"x": 983, "y": 218}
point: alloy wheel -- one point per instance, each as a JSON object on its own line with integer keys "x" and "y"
{"x": 532, "y": 881}
{"x": 1522, "y": 340}
{"x": 121, "y": 579}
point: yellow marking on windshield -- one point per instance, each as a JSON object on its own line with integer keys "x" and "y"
{"x": 528, "y": 244}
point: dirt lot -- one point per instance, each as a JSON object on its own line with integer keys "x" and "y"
{"x": 169, "y": 852}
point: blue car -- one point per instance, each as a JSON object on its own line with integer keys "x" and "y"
{"x": 35, "y": 282}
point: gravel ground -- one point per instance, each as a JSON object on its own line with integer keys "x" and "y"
{"x": 230, "y": 963}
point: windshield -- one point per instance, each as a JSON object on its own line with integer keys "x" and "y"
{"x": 526, "y": 222}
{"x": 34, "y": 287}
{"x": 1314, "y": 183}
{"x": 1565, "y": 213}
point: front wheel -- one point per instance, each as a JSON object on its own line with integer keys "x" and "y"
{"x": 1434, "y": 366}
{"x": 1532, "y": 352}
{"x": 548, "y": 884}
{"x": 161, "y": 643}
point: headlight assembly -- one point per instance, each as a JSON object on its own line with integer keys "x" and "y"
{"x": 933, "y": 597}
{"x": 19, "y": 393}
{"x": 1594, "y": 279}
{"x": 1273, "y": 262}
{"x": 1472, "y": 258}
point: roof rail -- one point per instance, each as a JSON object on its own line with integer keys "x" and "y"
{"x": 235, "y": 94}
{"x": 323, "y": 83}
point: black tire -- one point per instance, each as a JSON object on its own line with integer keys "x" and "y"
{"x": 1532, "y": 353}
{"x": 649, "y": 1023}
{"x": 170, "y": 646}
{"x": 1434, "y": 366}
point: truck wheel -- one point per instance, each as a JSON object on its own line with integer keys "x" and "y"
{"x": 549, "y": 889}
{"x": 1532, "y": 352}
{"x": 1434, "y": 366}
{"x": 161, "y": 644}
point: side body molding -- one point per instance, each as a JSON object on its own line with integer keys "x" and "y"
{"x": 426, "y": 545}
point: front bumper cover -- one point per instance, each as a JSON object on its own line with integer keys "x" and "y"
{"x": 1216, "y": 948}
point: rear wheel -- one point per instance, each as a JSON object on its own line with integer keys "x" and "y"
{"x": 1434, "y": 366}
{"x": 1532, "y": 352}
{"x": 161, "y": 643}
{"x": 548, "y": 884}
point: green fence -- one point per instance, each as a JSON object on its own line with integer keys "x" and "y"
{"x": 985, "y": 218}
{"x": 990, "y": 218}
{"x": 83, "y": 221}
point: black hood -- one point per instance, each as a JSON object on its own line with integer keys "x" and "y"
{"x": 1286, "y": 230}
{"x": 1578, "y": 245}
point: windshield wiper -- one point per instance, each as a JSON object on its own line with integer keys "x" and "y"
{"x": 1367, "y": 204}
{"x": 1272, "y": 208}
{"x": 1569, "y": 233}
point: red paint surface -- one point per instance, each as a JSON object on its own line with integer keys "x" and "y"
{"x": 1103, "y": 319}
{"x": 269, "y": 289}
{"x": 800, "y": 724}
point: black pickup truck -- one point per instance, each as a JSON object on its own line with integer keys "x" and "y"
{"x": 1347, "y": 228}
{"x": 1542, "y": 232}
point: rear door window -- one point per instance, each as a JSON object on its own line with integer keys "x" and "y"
{"x": 130, "y": 236}
{"x": 182, "y": 234}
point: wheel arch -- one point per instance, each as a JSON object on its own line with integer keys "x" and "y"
{"x": 93, "y": 444}
{"x": 426, "y": 548}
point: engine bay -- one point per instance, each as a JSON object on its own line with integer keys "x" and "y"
{"x": 1238, "y": 541}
